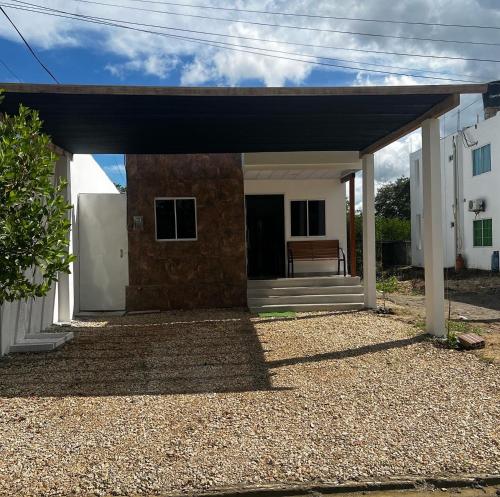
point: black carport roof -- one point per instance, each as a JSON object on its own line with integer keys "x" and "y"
{"x": 149, "y": 120}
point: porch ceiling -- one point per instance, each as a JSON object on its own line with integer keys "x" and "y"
{"x": 137, "y": 120}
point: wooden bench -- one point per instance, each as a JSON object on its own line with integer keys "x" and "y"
{"x": 314, "y": 250}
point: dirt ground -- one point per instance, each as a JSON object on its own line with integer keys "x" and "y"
{"x": 472, "y": 298}
{"x": 195, "y": 401}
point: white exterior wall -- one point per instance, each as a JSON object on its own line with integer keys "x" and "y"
{"x": 86, "y": 177}
{"x": 483, "y": 186}
{"x": 21, "y": 318}
{"x": 417, "y": 217}
{"x": 330, "y": 190}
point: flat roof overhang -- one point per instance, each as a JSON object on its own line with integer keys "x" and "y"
{"x": 163, "y": 120}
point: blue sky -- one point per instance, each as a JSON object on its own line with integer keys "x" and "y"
{"x": 85, "y": 53}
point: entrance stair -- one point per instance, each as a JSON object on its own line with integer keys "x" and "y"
{"x": 318, "y": 293}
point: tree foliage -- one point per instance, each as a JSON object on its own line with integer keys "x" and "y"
{"x": 393, "y": 199}
{"x": 386, "y": 229}
{"x": 120, "y": 188}
{"x": 34, "y": 222}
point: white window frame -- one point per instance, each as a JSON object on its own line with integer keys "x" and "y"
{"x": 478, "y": 147}
{"x": 482, "y": 232}
{"x": 307, "y": 217}
{"x": 175, "y": 220}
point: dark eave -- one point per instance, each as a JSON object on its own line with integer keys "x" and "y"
{"x": 149, "y": 120}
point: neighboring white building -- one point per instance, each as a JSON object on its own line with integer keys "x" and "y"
{"x": 470, "y": 171}
{"x": 22, "y": 321}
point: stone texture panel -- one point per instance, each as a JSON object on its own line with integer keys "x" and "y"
{"x": 208, "y": 272}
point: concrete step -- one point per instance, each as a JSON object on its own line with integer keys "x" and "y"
{"x": 40, "y": 342}
{"x": 306, "y": 307}
{"x": 304, "y": 290}
{"x": 318, "y": 281}
{"x": 307, "y": 299}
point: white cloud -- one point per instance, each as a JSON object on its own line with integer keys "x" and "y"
{"x": 152, "y": 65}
{"x": 214, "y": 65}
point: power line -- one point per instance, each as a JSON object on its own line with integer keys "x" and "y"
{"x": 317, "y": 16}
{"x": 228, "y": 46}
{"x": 308, "y": 45}
{"x": 29, "y": 47}
{"x": 10, "y": 71}
{"x": 288, "y": 26}
{"x": 253, "y": 47}
{"x": 461, "y": 109}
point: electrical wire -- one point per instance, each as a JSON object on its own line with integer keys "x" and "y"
{"x": 10, "y": 71}
{"x": 317, "y": 16}
{"x": 308, "y": 45}
{"x": 288, "y": 26}
{"x": 259, "y": 48}
{"x": 229, "y": 46}
{"x": 46, "y": 69}
{"x": 461, "y": 109}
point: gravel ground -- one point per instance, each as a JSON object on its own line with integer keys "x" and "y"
{"x": 184, "y": 401}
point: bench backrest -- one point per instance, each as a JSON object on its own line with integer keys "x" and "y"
{"x": 314, "y": 249}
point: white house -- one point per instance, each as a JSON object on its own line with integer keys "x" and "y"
{"x": 470, "y": 185}
{"x": 22, "y": 321}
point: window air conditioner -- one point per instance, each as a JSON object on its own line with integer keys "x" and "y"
{"x": 477, "y": 205}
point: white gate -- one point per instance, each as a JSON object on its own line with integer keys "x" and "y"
{"x": 103, "y": 249}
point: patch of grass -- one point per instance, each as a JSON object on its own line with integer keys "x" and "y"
{"x": 453, "y": 329}
{"x": 463, "y": 327}
{"x": 284, "y": 314}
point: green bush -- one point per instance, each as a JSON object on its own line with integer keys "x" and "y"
{"x": 388, "y": 285}
{"x": 34, "y": 223}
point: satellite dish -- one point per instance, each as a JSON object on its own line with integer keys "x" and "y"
{"x": 470, "y": 139}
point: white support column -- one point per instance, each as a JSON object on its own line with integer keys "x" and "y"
{"x": 62, "y": 172}
{"x": 433, "y": 228}
{"x": 369, "y": 263}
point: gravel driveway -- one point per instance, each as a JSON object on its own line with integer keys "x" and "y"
{"x": 183, "y": 401}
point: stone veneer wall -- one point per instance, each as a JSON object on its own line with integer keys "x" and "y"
{"x": 208, "y": 272}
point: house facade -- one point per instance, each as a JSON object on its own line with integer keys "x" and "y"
{"x": 201, "y": 225}
{"x": 470, "y": 180}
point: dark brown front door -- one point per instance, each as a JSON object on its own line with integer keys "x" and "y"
{"x": 265, "y": 218}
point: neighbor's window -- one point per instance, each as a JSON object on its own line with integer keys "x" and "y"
{"x": 175, "y": 218}
{"x": 307, "y": 217}
{"x": 483, "y": 233}
{"x": 481, "y": 160}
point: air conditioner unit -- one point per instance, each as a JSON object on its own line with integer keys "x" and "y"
{"x": 478, "y": 205}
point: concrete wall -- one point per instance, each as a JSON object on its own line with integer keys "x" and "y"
{"x": 22, "y": 318}
{"x": 484, "y": 186}
{"x": 86, "y": 177}
{"x": 447, "y": 189}
{"x": 207, "y": 272}
{"x": 330, "y": 190}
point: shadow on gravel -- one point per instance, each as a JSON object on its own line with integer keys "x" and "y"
{"x": 489, "y": 299}
{"x": 145, "y": 358}
{"x": 344, "y": 354}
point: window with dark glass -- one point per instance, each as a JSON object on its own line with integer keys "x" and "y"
{"x": 307, "y": 217}
{"x": 481, "y": 160}
{"x": 175, "y": 218}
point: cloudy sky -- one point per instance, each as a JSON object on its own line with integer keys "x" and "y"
{"x": 258, "y": 43}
